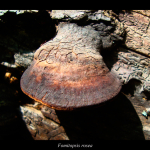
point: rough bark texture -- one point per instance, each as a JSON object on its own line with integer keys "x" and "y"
{"x": 118, "y": 119}
{"x": 133, "y": 59}
{"x": 137, "y": 28}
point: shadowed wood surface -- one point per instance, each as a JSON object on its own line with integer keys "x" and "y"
{"x": 119, "y": 119}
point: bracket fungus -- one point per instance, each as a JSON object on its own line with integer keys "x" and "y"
{"x": 68, "y": 71}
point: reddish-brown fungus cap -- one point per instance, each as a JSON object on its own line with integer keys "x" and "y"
{"x": 65, "y": 74}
